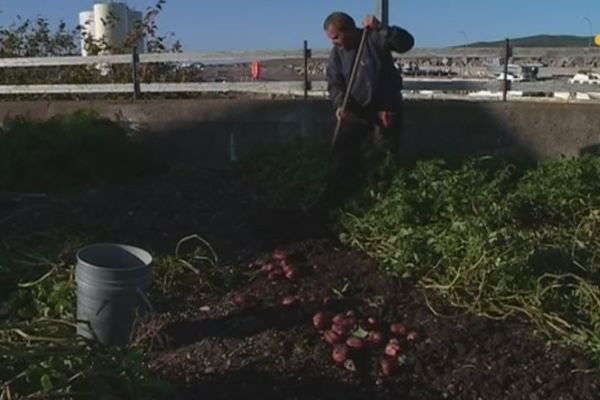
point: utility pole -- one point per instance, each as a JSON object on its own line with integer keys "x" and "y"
{"x": 383, "y": 11}
{"x": 589, "y": 21}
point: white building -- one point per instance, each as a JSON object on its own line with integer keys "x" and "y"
{"x": 109, "y": 24}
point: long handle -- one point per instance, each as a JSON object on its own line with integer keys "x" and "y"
{"x": 350, "y": 84}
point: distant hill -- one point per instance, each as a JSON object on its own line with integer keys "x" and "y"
{"x": 539, "y": 41}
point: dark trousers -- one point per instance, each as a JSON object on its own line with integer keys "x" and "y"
{"x": 361, "y": 132}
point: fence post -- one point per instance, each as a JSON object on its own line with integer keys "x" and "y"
{"x": 507, "y": 56}
{"x": 307, "y": 55}
{"x": 134, "y": 73}
{"x": 382, "y": 11}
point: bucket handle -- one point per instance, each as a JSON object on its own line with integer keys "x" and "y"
{"x": 145, "y": 299}
{"x": 140, "y": 293}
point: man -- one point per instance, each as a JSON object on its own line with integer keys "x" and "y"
{"x": 375, "y": 99}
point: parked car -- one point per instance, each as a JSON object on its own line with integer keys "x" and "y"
{"x": 585, "y": 77}
{"x": 511, "y": 77}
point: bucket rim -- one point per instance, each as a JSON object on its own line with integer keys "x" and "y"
{"x": 143, "y": 252}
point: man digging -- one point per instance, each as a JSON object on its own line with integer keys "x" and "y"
{"x": 373, "y": 103}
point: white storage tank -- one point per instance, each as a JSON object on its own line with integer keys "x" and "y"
{"x": 111, "y": 24}
{"x": 135, "y": 20}
{"x": 86, "y": 21}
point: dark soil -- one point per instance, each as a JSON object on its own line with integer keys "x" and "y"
{"x": 212, "y": 347}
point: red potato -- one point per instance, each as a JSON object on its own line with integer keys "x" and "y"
{"x": 320, "y": 321}
{"x": 285, "y": 263}
{"x": 275, "y": 275}
{"x": 412, "y": 336}
{"x": 254, "y": 265}
{"x": 345, "y": 327}
{"x": 268, "y": 267}
{"x": 241, "y": 299}
{"x": 351, "y": 313}
{"x": 338, "y": 318}
{"x": 339, "y": 329}
{"x": 349, "y": 323}
{"x": 291, "y": 274}
{"x": 387, "y": 367}
{"x": 392, "y": 349}
{"x": 289, "y": 301}
{"x": 371, "y": 321}
{"x": 331, "y": 337}
{"x": 339, "y": 353}
{"x": 355, "y": 343}
{"x": 375, "y": 337}
{"x": 398, "y": 329}
{"x": 280, "y": 255}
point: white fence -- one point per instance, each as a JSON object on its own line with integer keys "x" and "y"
{"x": 422, "y": 87}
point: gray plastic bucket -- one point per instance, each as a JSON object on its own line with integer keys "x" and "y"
{"x": 113, "y": 281}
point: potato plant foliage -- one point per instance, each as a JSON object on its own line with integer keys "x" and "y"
{"x": 494, "y": 239}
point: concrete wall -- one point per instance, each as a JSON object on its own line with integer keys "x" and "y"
{"x": 200, "y": 131}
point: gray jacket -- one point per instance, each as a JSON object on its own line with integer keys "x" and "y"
{"x": 377, "y": 85}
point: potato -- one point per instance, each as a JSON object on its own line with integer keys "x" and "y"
{"x": 331, "y": 337}
{"x": 338, "y": 318}
{"x": 320, "y": 321}
{"x": 268, "y": 267}
{"x": 280, "y": 255}
{"x": 339, "y": 353}
{"x": 398, "y": 329}
{"x": 276, "y": 274}
{"x": 392, "y": 349}
{"x": 291, "y": 274}
{"x": 241, "y": 300}
{"x": 355, "y": 343}
{"x": 375, "y": 337}
{"x": 340, "y": 329}
{"x": 289, "y": 301}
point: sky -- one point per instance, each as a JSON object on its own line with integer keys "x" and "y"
{"x": 211, "y": 25}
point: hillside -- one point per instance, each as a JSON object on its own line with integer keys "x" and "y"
{"x": 539, "y": 41}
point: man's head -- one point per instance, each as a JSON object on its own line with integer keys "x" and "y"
{"x": 340, "y": 28}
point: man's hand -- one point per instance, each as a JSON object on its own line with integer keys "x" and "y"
{"x": 370, "y": 21}
{"x": 341, "y": 114}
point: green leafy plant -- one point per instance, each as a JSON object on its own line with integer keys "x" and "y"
{"x": 65, "y": 152}
{"x": 291, "y": 175}
{"x": 496, "y": 240}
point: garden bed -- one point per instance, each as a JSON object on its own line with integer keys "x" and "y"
{"x": 224, "y": 330}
